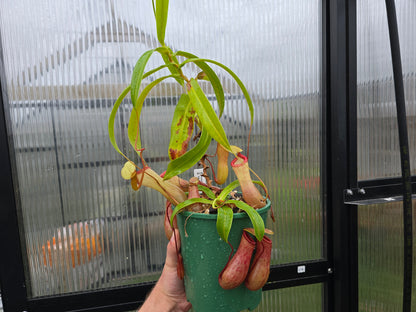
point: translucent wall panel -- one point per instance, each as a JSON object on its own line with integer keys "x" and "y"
{"x": 381, "y": 227}
{"x": 295, "y": 299}
{"x": 65, "y": 64}
{"x": 380, "y": 257}
{"x": 378, "y": 146}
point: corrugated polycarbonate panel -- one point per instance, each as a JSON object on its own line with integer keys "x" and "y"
{"x": 380, "y": 257}
{"x": 294, "y": 299}
{"x": 378, "y": 144}
{"x": 381, "y": 226}
{"x": 65, "y": 64}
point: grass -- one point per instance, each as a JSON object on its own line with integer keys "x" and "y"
{"x": 381, "y": 258}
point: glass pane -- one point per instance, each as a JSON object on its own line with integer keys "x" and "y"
{"x": 380, "y": 257}
{"x": 378, "y": 146}
{"x": 66, "y": 63}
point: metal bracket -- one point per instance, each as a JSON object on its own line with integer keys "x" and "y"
{"x": 371, "y": 195}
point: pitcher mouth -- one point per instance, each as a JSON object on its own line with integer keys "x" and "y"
{"x": 240, "y": 156}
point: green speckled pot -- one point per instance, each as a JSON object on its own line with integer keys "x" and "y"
{"x": 205, "y": 255}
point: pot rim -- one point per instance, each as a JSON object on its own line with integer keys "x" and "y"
{"x": 238, "y": 215}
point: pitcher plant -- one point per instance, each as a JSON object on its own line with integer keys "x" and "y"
{"x": 195, "y": 118}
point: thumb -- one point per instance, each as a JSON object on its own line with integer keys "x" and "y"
{"x": 172, "y": 249}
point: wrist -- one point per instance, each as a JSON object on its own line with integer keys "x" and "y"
{"x": 158, "y": 301}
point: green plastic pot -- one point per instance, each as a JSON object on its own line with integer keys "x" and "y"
{"x": 205, "y": 255}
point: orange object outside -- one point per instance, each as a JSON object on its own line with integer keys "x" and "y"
{"x": 82, "y": 247}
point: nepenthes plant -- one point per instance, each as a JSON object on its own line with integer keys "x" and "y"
{"x": 195, "y": 114}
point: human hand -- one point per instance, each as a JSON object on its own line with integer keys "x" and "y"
{"x": 169, "y": 291}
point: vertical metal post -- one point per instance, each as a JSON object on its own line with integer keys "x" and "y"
{"x": 404, "y": 155}
{"x": 14, "y": 294}
{"x": 341, "y": 155}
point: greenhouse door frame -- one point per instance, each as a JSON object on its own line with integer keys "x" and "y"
{"x": 338, "y": 268}
{"x": 341, "y": 151}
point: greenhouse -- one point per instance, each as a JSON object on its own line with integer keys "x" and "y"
{"x": 105, "y": 105}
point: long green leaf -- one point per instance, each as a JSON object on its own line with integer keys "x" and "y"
{"x": 147, "y": 89}
{"x": 154, "y": 8}
{"x": 207, "y": 191}
{"x": 137, "y": 76}
{"x": 174, "y": 69}
{"x": 150, "y": 72}
{"x": 190, "y": 158}
{"x": 212, "y": 77}
{"x": 161, "y": 15}
{"x": 111, "y": 120}
{"x": 232, "y": 74}
{"x": 206, "y": 115}
{"x": 133, "y": 130}
{"x": 254, "y": 216}
{"x": 185, "y": 204}
{"x": 181, "y": 128}
{"x": 171, "y": 62}
{"x": 227, "y": 190}
{"x": 224, "y": 222}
